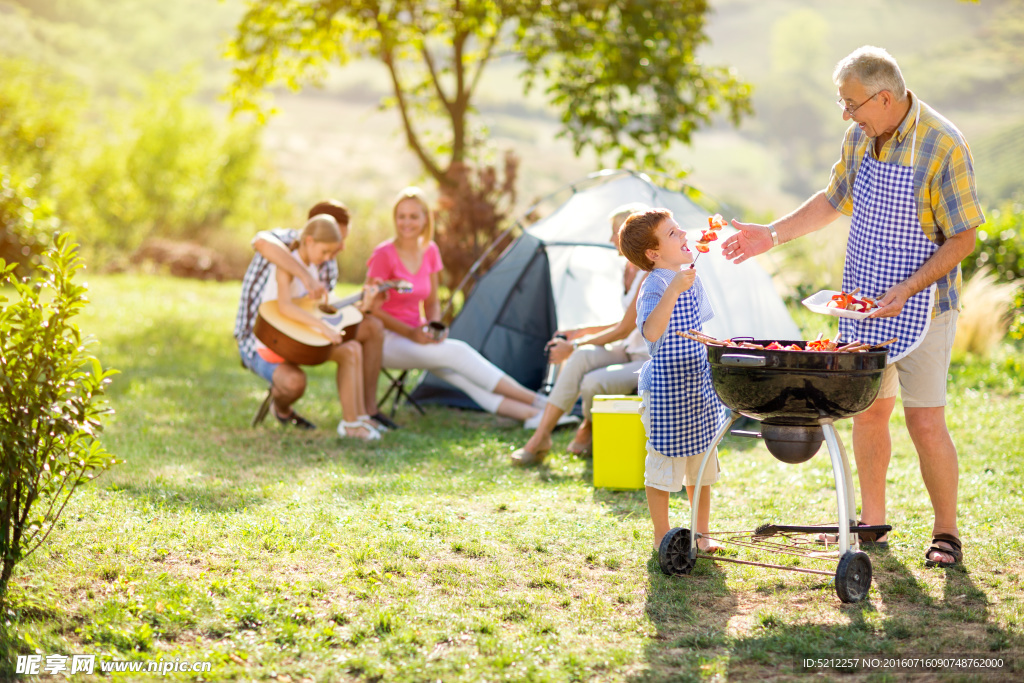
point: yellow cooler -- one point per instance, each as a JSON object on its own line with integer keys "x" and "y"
{"x": 619, "y": 442}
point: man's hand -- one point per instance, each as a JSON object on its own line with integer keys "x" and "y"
{"x": 891, "y": 303}
{"x": 751, "y": 240}
{"x": 372, "y": 298}
{"x": 314, "y": 286}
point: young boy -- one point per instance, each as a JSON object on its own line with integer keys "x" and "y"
{"x": 680, "y": 411}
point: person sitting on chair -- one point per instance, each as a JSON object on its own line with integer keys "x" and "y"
{"x": 595, "y": 369}
{"x": 287, "y": 380}
{"x": 408, "y": 342}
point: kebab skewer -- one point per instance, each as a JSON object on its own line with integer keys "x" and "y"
{"x": 818, "y": 344}
{"x": 715, "y": 223}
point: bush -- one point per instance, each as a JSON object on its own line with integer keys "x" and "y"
{"x": 38, "y": 112}
{"x": 155, "y": 165}
{"x": 26, "y": 224}
{"x": 166, "y": 167}
{"x": 50, "y": 416}
{"x": 1000, "y": 244}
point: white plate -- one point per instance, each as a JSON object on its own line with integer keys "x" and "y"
{"x": 816, "y": 302}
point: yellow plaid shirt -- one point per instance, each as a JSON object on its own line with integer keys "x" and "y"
{"x": 947, "y": 199}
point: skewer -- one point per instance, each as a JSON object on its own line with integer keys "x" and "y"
{"x": 705, "y": 340}
{"x": 852, "y": 347}
{"x": 698, "y": 333}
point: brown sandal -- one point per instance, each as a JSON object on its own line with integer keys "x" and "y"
{"x": 956, "y": 550}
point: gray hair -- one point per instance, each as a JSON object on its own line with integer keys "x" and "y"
{"x": 876, "y": 70}
{"x": 624, "y": 211}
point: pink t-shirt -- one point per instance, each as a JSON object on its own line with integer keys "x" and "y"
{"x": 385, "y": 264}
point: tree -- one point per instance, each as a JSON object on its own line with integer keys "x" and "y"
{"x": 51, "y": 404}
{"x": 622, "y": 75}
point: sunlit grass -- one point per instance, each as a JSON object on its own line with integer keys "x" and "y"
{"x": 426, "y": 557}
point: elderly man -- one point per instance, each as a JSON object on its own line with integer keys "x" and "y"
{"x": 906, "y": 178}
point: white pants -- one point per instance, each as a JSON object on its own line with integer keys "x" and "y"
{"x": 453, "y": 360}
{"x": 594, "y": 370}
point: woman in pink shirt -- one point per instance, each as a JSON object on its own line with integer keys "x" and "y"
{"x": 412, "y": 255}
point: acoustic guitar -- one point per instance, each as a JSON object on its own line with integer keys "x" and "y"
{"x": 302, "y": 344}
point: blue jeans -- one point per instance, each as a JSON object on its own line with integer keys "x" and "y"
{"x": 260, "y": 366}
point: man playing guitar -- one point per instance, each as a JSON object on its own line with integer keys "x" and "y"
{"x": 288, "y": 381}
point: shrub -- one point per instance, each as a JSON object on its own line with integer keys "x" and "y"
{"x": 1000, "y": 244}
{"x": 26, "y": 223}
{"x": 158, "y": 164}
{"x": 51, "y": 406}
{"x": 165, "y": 166}
{"x": 1017, "y": 317}
{"x": 474, "y": 207}
{"x": 38, "y": 111}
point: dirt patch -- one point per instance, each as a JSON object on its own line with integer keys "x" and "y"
{"x": 188, "y": 259}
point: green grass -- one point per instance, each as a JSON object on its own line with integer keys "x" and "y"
{"x": 272, "y": 553}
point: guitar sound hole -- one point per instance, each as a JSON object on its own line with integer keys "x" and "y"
{"x": 328, "y": 309}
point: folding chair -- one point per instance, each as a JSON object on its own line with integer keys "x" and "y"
{"x": 396, "y": 386}
{"x": 264, "y": 408}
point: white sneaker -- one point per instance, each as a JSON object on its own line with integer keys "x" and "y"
{"x": 371, "y": 433}
{"x": 565, "y": 420}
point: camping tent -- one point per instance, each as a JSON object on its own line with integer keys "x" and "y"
{"x": 562, "y": 272}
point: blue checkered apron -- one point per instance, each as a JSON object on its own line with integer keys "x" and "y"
{"x": 886, "y": 246}
{"x": 685, "y": 411}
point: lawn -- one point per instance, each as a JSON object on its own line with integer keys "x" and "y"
{"x": 279, "y": 555}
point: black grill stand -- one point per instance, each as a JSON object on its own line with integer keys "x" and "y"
{"x": 678, "y": 552}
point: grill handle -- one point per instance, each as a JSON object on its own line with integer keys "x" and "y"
{"x": 742, "y": 361}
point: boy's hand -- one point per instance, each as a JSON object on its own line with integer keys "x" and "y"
{"x": 682, "y": 281}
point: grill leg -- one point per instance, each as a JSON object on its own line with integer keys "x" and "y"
{"x": 844, "y": 485}
{"x": 726, "y": 426}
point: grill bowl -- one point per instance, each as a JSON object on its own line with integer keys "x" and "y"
{"x": 796, "y": 387}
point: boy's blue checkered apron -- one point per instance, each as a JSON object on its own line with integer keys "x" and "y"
{"x": 886, "y": 246}
{"x": 685, "y": 411}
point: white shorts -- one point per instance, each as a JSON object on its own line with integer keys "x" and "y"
{"x": 672, "y": 474}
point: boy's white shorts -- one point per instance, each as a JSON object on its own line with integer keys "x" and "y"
{"x": 672, "y": 474}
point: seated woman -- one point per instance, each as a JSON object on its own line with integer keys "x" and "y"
{"x": 596, "y": 369}
{"x": 412, "y": 255}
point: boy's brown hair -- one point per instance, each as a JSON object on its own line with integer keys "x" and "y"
{"x": 636, "y": 236}
{"x": 332, "y": 207}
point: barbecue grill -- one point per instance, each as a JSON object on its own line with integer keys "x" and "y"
{"x": 797, "y": 396}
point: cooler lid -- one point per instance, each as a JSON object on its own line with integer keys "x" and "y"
{"x": 616, "y": 404}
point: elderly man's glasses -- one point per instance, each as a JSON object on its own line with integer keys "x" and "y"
{"x": 849, "y": 110}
